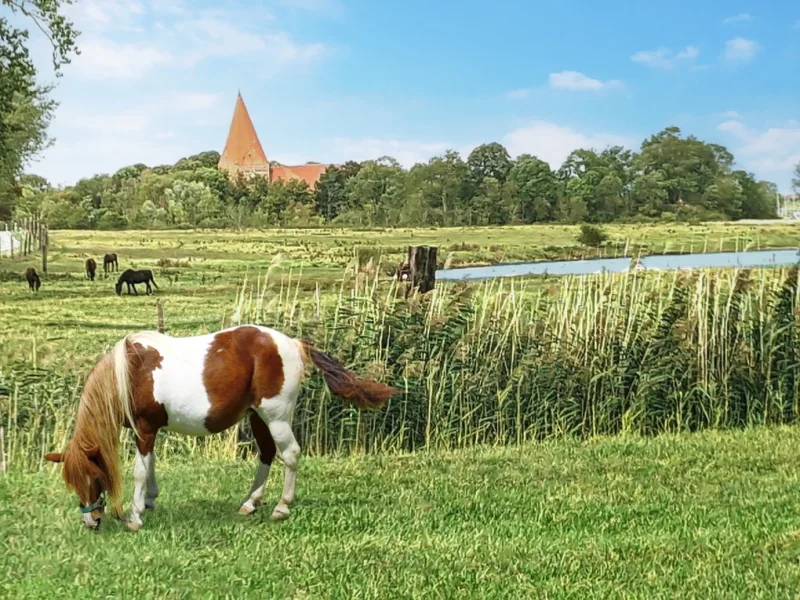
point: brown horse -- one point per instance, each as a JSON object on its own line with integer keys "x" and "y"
{"x": 91, "y": 267}
{"x": 196, "y": 386}
{"x": 34, "y": 283}
{"x": 110, "y": 262}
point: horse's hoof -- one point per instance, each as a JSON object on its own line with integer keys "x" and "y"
{"x": 149, "y": 505}
{"x": 248, "y": 508}
{"x": 281, "y": 513}
{"x": 133, "y": 525}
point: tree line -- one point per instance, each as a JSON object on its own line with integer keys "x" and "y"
{"x": 671, "y": 177}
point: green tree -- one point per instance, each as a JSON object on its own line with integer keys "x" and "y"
{"x": 796, "y": 178}
{"x": 25, "y": 107}
{"x": 376, "y": 194}
{"x": 330, "y": 197}
{"x": 489, "y": 160}
{"x": 440, "y": 187}
{"x": 536, "y": 190}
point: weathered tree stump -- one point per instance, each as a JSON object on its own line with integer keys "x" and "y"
{"x": 422, "y": 268}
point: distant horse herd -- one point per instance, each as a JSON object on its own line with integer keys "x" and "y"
{"x": 130, "y": 277}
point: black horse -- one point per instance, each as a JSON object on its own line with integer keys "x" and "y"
{"x": 91, "y": 267}
{"x": 34, "y": 283}
{"x": 131, "y": 277}
{"x": 110, "y": 259}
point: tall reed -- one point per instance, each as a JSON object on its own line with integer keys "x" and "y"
{"x": 502, "y": 362}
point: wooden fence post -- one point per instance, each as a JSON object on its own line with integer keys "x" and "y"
{"x": 422, "y": 267}
{"x": 160, "y": 317}
{"x": 43, "y": 236}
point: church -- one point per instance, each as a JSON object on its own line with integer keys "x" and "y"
{"x": 243, "y": 154}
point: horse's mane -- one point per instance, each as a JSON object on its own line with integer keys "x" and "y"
{"x": 93, "y": 452}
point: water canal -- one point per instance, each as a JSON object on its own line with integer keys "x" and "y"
{"x": 784, "y": 257}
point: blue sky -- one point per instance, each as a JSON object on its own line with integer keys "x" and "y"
{"x": 332, "y": 80}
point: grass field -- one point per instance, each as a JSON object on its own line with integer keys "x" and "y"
{"x": 200, "y": 272}
{"x": 485, "y": 369}
{"x": 711, "y": 515}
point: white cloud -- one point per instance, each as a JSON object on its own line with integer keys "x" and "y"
{"x": 729, "y": 114}
{"x": 664, "y": 58}
{"x": 104, "y": 14}
{"x": 575, "y": 81}
{"x": 740, "y": 18}
{"x": 741, "y": 49}
{"x": 184, "y": 34}
{"x": 407, "y": 153}
{"x": 317, "y": 6}
{"x": 198, "y": 101}
{"x": 553, "y": 143}
{"x": 102, "y": 58}
{"x": 90, "y": 155}
{"x": 772, "y": 152}
{"x": 518, "y": 94}
{"x": 209, "y": 37}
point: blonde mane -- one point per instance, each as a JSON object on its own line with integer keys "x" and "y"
{"x": 106, "y": 403}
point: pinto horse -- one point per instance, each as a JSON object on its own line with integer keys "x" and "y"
{"x": 91, "y": 267}
{"x": 110, "y": 262}
{"x": 131, "y": 278}
{"x": 34, "y": 283}
{"x": 196, "y": 386}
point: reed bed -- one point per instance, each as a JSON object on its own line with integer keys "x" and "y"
{"x": 497, "y": 363}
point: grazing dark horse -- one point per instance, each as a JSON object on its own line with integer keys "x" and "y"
{"x": 34, "y": 283}
{"x": 110, "y": 259}
{"x": 196, "y": 386}
{"x": 91, "y": 267}
{"x": 131, "y": 277}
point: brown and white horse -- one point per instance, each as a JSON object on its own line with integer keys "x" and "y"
{"x": 196, "y": 386}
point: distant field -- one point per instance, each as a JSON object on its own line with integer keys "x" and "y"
{"x": 200, "y": 272}
{"x": 711, "y": 515}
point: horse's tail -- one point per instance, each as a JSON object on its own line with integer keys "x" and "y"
{"x": 364, "y": 393}
{"x": 123, "y": 377}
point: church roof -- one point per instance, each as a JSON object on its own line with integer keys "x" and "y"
{"x": 308, "y": 173}
{"x": 242, "y": 148}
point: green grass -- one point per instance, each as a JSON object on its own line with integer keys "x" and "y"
{"x": 709, "y": 515}
{"x": 71, "y": 320}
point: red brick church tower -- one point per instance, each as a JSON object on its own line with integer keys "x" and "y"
{"x": 243, "y": 154}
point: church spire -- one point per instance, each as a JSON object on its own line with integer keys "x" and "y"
{"x": 243, "y": 151}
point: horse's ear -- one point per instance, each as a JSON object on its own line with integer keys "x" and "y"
{"x": 55, "y": 457}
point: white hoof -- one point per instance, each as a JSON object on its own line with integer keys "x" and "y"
{"x": 133, "y": 524}
{"x": 280, "y": 513}
{"x": 249, "y": 507}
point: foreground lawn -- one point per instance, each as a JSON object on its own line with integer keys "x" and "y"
{"x": 696, "y": 516}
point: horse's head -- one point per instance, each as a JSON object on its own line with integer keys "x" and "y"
{"x": 118, "y": 287}
{"x": 85, "y": 474}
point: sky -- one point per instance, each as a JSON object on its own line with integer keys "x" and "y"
{"x": 337, "y": 80}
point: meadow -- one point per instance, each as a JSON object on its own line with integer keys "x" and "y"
{"x": 617, "y": 435}
{"x": 709, "y": 515}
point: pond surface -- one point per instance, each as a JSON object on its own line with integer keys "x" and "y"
{"x": 655, "y": 262}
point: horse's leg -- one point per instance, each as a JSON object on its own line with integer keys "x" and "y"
{"x": 279, "y": 419}
{"x": 266, "y": 453}
{"x": 141, "y": 469}
{"x": 149, "y": 289}
{"x": 133, "y": 285}
{"x": 152, "y": 485}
